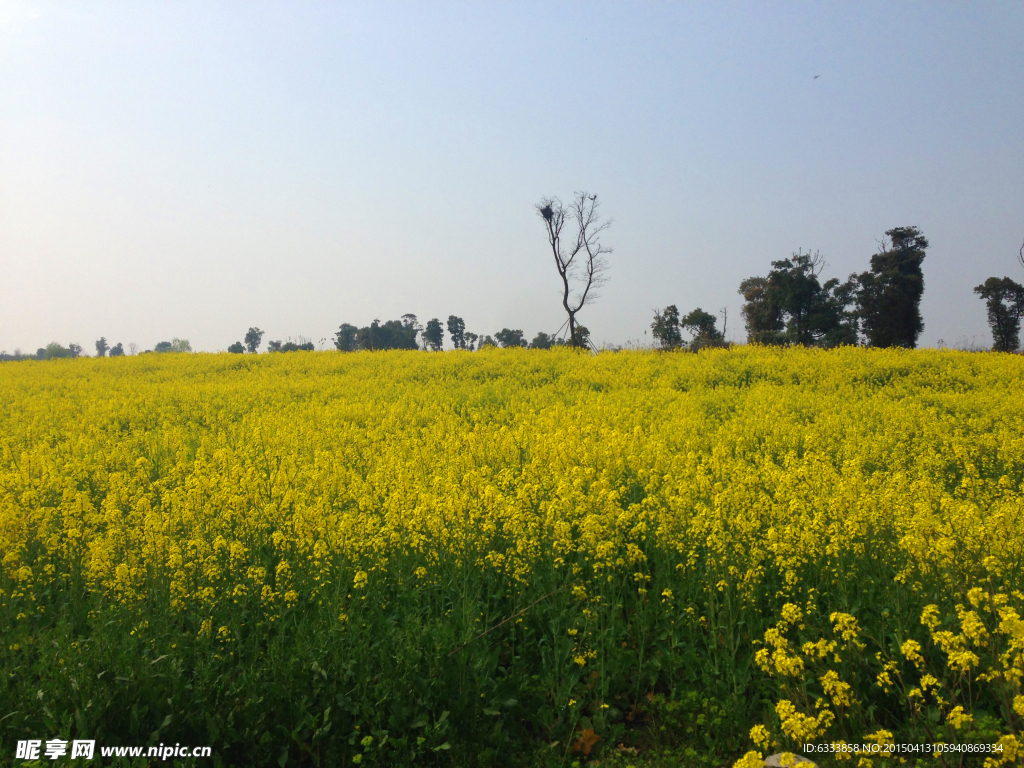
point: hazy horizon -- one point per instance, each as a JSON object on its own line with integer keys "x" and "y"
{"x": 191, "y": 170}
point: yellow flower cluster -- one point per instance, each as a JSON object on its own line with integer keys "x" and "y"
{"x": 995, "y": 630}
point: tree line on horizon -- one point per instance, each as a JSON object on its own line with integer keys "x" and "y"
{"x": 791, "y": 305}
{"x": 408, "y": 333}
{"x": 879, "y": 307}
{"x": 56, "y": 351}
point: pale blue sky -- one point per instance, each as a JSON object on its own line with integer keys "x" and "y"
{"x": 191, "y": 169}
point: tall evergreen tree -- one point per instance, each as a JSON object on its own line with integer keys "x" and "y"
{"x": 665, "y": 328}
{"x": 101, "y": 346}
{"x": 433, "y": 335}
{"x": 253, "y": 338}
{"x": 457, "y": 331}
{"x": 1004, "y": 299}
{"x": 889, "y": 295}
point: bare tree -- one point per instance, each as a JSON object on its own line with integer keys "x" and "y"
{"x": 1021, "y": 255}
{"x": 581, "y": 261}
{"x": 817, "y": 262}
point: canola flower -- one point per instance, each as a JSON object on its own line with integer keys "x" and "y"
{"x": 750, "y": 502}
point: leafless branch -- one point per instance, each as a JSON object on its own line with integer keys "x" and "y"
{"x": 818, "y": 264}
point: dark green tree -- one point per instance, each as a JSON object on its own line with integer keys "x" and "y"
{"x": 836, "y": 319}
{"x": 235, "y": 348}
{"x": 457, "y": 331}
{"x": 390, "y": 335}
{"x": 542, "y": 341}
{"x": 433, "y": 335}
{"x": 117, "y": 350}
{"x": 74, "y": 350}
{"x": 54, "y": 351}
{"x": 487, "y": 341}
{"x": 290, "y": 346}
{"x": 762, "y": 314}
{"x": 580, "y": 259}
{"x": 665, "y": 328}
{"x": 509, "y": 338}
{"x": 253, "y": 337}
{"x": 164, "y": 346}
{"x": 404, "y": 336}
{"x": 409, "y": 321}
{"x": 345, "y": 338}
{"x": 1004, "y": 299}
{"x": 889, "y": 295}
{"x": 703, "y": 328}
{"x": 374, "y": 337}
{"x": 794, "y": 285}
{"x": 792, "y": 306}
{"x": 101, "y": 346}
{"x": 470, "y": 338}
{"x": 816, "y": 314}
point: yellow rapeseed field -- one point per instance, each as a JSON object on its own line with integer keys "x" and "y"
{"x": 760, "y": 548}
